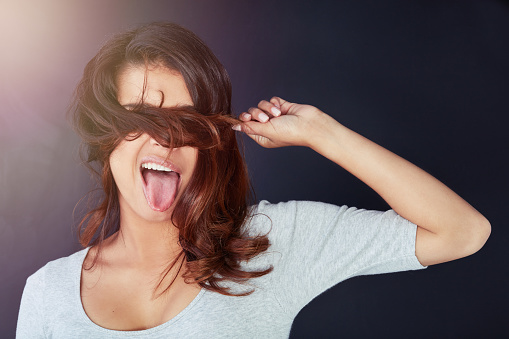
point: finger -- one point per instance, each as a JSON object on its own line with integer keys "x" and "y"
{"x": 257, "y": 131}
{"x": 269, "y": 107}
{"x": 258, "y": 114}
{"x": 251, "y": 127}
{"x": 245, "y": 116}
{"x": 280, "y": 103}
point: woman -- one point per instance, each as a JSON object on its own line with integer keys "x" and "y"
{"x": 173, "y": 250}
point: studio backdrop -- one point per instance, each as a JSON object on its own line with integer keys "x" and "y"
{"x": 426, "y": 79}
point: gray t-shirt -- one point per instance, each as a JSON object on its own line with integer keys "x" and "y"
{"x": 314, "y": 246}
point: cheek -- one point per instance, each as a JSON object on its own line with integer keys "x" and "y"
{"x": 192, "y": 156}
{"x": 115, "y": 169}
{"x": 120, "y": 161}
{"x": 115, "y": 161}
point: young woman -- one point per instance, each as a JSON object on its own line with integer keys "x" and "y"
{"x": 174, "y": 250}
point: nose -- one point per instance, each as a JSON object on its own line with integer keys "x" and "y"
{"x": 154, "y": 142}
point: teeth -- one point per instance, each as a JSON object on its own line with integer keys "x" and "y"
{"x": 153, "y": 166}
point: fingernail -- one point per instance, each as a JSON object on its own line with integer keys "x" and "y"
{"x": 236, "y": 127}
{"x": 275, "y": 111}
{"x": 263, "y": 117}
{"x": 247, "y": 116}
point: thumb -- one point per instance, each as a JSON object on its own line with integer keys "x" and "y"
{"x": 252, "y": 128}
{"x": 258, "y": 132}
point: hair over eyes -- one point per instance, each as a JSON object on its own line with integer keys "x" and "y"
{"x": 214, "y": 206}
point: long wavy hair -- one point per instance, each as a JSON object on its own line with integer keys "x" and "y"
{"x": 214, "y": 206}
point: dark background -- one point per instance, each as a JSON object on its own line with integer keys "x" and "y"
{"x": 425, "y": 79}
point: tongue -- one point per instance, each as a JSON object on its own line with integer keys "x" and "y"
{"x": 160, "y": 189}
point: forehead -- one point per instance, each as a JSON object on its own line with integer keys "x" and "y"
{"x": 159, "y": 85}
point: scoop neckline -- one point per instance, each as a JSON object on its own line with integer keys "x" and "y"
{"x": 152, "y": 330}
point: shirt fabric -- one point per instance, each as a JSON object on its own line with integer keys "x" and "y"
{"x": 314, "y": 246}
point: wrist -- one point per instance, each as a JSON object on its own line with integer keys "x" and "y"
{"x": 324, "y": 131}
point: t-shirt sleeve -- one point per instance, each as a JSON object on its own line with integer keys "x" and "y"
{"x": 317, "y": 245}
{"x": 30, "y": 318}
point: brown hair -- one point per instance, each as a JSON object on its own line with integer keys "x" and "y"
{"x": 214, "y": 205}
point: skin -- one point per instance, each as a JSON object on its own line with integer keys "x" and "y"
{"x": 125, "y": 162}
{"x": 448, "y": 227}
{"x": 118, "y": 293}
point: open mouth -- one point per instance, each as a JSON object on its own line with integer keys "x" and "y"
{"x": 160, "y": 185}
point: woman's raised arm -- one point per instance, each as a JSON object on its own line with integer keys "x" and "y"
{"x": 448, "y": 227}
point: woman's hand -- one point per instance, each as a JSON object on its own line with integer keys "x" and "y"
{"x": 448, "y": 227}
{"x": 278, "y": 123}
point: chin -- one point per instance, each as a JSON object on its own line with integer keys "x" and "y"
{"x": 156, "y": 216}
{"x": 140, "y": 209}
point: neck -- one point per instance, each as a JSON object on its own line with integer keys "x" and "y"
{"x": 145, "y": 244}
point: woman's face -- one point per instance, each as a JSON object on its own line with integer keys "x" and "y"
{"x": 148, "y": 180}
